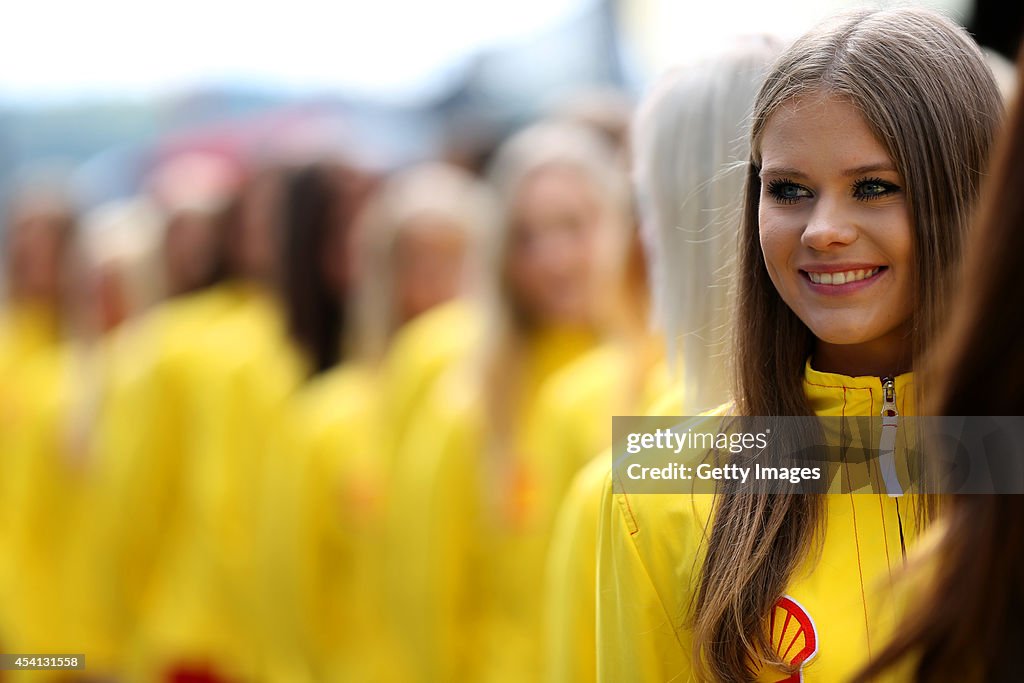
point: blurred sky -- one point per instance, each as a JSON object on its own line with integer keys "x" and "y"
{"x": 666, "y": 32}
{"x": 65, "y": 49}
{"x": 401, "y": 50}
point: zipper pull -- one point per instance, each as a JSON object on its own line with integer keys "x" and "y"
{"x": 889, "y": 398}
{"x": 887, "y": 443}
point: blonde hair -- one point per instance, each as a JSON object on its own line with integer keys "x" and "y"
{"x": 122, "y": 237}
{"x": 126, "y": 236}
{"x": 545, "y": 145}
{"x": 690, "y": 148}
{"x": 539, "y": 147}
{"x": 926, "y": 93}
{"x": 430, "y": 189}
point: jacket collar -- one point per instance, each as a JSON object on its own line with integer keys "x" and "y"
{"x": 833, "y": 394}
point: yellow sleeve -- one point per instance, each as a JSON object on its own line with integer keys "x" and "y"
{"x": 432, "y": 581}
{"x": 571, "y": 581}
{"x": 636, "y": 638}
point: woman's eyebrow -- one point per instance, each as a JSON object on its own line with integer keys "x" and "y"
{"x": 879, "y": 167}
{"x": 781, "y": 171}
{"x": 871, "y": 168}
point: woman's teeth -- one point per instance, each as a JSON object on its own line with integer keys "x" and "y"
{"x": 841, "y": 278}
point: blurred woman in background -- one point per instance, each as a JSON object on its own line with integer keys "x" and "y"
{"x": 170, "y": 433}
{"x": 688, "y": 133}
{"x": 191, "y": 190}
{"x": 116, "y": 279}
{"x": 424, "y": 307}
{"x": 39, "y": 231}
{"x": 419, "y": 236}
{"x": 292, "y": 231}
{"x": 416, "y": 240}
{"x": 626, "y": 370}
{"x": 34, "y": 323}
{"x": 463, "y": 542}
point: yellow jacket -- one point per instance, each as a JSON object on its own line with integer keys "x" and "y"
{"x": 135, "y": 465}
{"x": 575, "y": 407}
{"x": 26, "y": 331}
{"x": 323, "y": 526}
{"x": 176, "y": 388}
{"x": 465, "y": 542}
{"x": 570, "y": 581}
{"x": 39, "y": 502}
{"x": 420, "y": 353}
{"x": 650, "y": 550}
{"x": 203, "y": 608}
{"x": 32, "y": 393}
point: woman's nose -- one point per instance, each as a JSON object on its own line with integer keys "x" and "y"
{"x": 830, "y": 225}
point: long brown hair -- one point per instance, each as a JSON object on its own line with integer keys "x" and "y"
{"x": 313, "y": 210}
{"x": 971, "y": 620}
{"x": 925, "y": 91}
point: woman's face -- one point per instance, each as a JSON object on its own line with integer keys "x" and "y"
{"x": 835, "y": 230}
{"x": 430, "y": 260}
{"x": 35, "y": 259}
{"x": 190, "y": 250}
{"x": 556, "y": 229}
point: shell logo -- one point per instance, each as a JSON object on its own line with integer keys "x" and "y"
{"x": 794, "y": 635}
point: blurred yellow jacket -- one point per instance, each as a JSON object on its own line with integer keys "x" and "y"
{"x": 39, "y": 495}
{"x": 651, "y": 548}
{"x": 176, "y": 389}
{"x": 465, "y": 533}
{"x": 135, "y": 465}
{"x": 575, "y": 409}
{"x": 570, "y": 581}
{"x": 26, "y": 331}
{"x": 32, "y": 392}
{"x": 323, "y": 534}
{"x": 203, "y": 610}
{"x": 420, "y": 353}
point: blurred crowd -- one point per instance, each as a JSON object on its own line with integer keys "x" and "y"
{"x": 302, "y": 420}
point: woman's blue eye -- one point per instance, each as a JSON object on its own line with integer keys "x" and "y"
{"x": 873, "y": 188}
{"x": 786, "y": 191}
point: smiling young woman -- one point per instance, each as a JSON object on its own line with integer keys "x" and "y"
{"x": 868, "y": 142}
{"x": 836, "y": 234}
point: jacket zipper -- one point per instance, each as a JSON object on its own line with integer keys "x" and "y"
{"x": 887, "y": 443}
{"x": 887, "y": 450}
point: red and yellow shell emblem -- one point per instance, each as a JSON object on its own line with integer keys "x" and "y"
{"x": 794, "y": 636}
